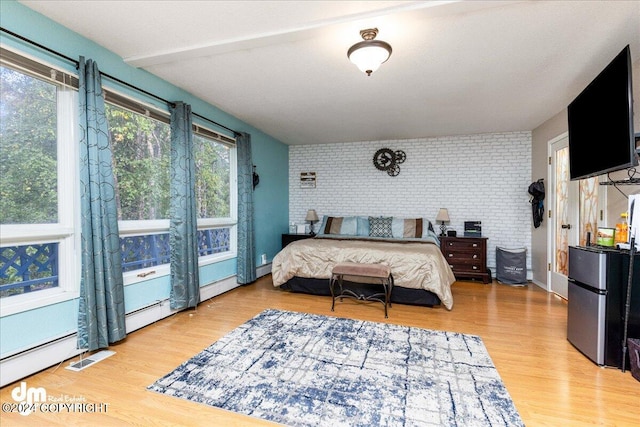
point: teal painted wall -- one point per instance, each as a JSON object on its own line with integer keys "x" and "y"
{"x": 272, "y": 194}
{"x": 271, "y": 200}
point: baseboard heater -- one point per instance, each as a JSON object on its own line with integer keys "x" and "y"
{"x": 38, "y": 347}
{"x": 29, "y": 361}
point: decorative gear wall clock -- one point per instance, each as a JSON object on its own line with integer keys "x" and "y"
{"x": 385, "y": 159}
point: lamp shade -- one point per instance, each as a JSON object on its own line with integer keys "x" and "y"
{"x": 311, "y": 215}
{"x": 369, "y": 54}
{"x": 443, "y": 215}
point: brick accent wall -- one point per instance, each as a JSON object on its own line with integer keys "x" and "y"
{"x": 476, "y": 177}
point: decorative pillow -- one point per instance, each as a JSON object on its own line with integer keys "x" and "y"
{"x": 340, "y": 225}
{"x": 380, "y": 227}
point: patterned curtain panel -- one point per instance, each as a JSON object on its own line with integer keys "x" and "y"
{"x": 246, "y": 239}
{"x": 101, "y": 318}
{"x": 183, "y": 234}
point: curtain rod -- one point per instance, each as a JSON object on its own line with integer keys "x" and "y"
{"x": 129, "y": 85}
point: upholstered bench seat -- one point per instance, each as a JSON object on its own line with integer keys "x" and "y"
{"x": 380, "y": 272}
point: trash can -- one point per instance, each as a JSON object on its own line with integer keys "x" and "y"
{"x": 511, "y": 266}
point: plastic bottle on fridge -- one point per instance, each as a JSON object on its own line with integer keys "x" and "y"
{"x": 622, "y": 229}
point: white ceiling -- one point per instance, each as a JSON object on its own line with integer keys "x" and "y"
{"x": 458, "y": 67}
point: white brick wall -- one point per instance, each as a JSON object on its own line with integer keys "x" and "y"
{"x": 476, "y": 177}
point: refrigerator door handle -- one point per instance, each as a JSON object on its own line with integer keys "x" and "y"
{"x": 587, "y": 287}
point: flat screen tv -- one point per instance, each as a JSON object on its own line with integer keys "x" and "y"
{"x": 601, "y": 138}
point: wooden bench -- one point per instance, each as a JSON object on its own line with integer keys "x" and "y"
{"x": 380, "y": 272}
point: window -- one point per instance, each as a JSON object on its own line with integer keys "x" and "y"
{"x": 39, "y": 190}
{"x": 28, "y": 268}
{"x": 213, "y": 169}
{"x": 38, "y": 184}
{"x": 144, "y": 251}
{"x": 141, "y": 141}
{"x": 141, "y": 155}
{"x": 215, "y": 160}
{"x": 29, "y": 150}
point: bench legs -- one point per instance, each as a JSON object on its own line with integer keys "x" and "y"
{"x": 387, "y": 284}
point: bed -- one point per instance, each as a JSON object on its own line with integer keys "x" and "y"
{"x": 421, "y": 274}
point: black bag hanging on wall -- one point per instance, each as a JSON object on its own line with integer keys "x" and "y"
{"x": 536, "y": 190}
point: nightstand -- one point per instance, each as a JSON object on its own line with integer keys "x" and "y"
{"x": 467, "y": 257}
{"x": 288, "y": 238}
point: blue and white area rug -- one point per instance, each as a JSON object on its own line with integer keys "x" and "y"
{"x": 302, "y": 369}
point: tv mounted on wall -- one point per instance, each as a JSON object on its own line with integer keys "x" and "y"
{"x": 601, "y": 138}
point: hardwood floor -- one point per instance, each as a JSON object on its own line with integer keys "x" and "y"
{"x": 524, "y": 330}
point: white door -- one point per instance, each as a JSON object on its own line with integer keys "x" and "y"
{"x": 574, "y": 209}
{"x": 563, "y": 221}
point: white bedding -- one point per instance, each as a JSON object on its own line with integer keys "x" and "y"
{"x": 415, "y": 263}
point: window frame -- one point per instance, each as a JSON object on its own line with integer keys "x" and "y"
{"x": 66, "y": 231}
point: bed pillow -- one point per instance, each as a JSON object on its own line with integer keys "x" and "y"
{"x": 429, "y": 226}
{"x": 345, "y": 225}
{"x": 323, "y": 224}
{"x": 427, "y": 229}
{"x": 363, "y": 226}
{"x": 380, "y": 226}
{"x": 408, "y": 228}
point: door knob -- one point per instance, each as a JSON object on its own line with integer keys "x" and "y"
{"x": 566, "y": 226}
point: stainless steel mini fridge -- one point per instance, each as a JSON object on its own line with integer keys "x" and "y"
{"x": 596, "y": 284}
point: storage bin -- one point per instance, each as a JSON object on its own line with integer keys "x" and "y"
{"x": 634, "y": 357}
{"x": 511, "y": 266}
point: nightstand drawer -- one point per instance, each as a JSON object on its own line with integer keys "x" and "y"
{"x": 465, "y": 256}
{"x": 466, "y": 267}
{"x": 463, "y": 244}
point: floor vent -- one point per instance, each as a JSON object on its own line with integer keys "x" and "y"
{"x": 91, "y": 360}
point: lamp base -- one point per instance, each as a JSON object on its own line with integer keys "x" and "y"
{"x": 443, "y": 229}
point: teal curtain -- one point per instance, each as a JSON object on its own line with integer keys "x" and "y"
{"x": 183, "y": 237}
{"x": 246, "y": 240}
{"x": 101, "y": 317}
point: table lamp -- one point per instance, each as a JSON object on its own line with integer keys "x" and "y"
{"x": 312, "y": 217}
{"x": 442, "y": 217}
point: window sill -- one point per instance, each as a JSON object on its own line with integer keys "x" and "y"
{"x": 137, "y": 276}
{"x": 212, "y": 259}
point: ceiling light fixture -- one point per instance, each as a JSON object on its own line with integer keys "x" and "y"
{"x": 369, "y": 54}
